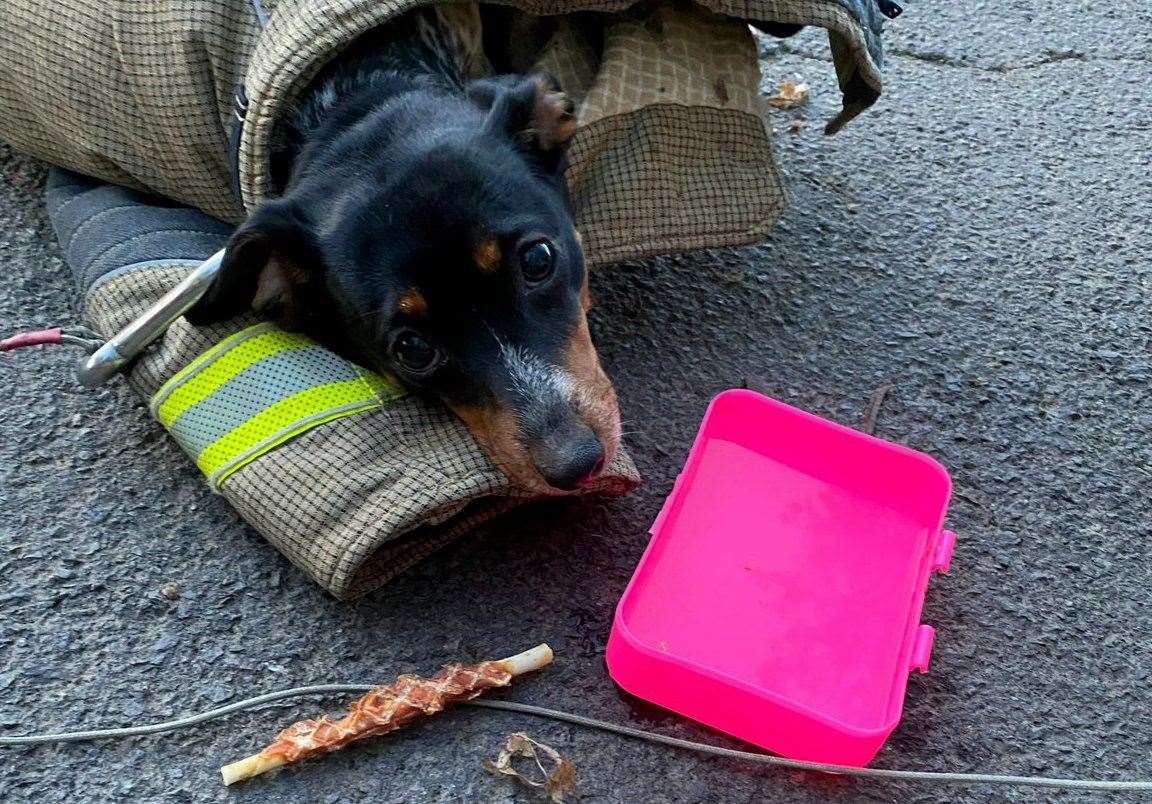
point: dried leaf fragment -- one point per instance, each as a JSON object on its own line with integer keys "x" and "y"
{"x": 557, "y": 782}
{"x": 789, "y": 95}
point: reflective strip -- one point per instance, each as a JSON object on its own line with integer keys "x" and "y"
{"x": 216, "y": 366}
{"x": 247, "y": 392}
{"x": 255, "y": 390}
{"x": 282, "y": 420}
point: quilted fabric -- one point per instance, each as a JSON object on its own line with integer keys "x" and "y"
{"x": 671, "y": 152}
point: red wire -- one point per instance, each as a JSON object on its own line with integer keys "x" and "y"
{"x": 40, "y": 337}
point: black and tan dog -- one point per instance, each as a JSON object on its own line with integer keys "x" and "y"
{"x": 424, "y": 230}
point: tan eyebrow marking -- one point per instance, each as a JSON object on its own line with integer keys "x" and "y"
{"x": 487, "y": 255}
{"x": 412, "y": 302}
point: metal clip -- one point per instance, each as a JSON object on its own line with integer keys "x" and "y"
{"x": 129, "y": 342}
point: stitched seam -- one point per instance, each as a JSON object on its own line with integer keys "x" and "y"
{"x": 150, "y": 233}
{"x": 131, "y": 268}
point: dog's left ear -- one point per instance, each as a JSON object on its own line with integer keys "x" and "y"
{"x": 533, "y": 111}
{"x": 271, "y": 266}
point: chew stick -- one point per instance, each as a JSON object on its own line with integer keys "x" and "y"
{"x": 386, "y": 709}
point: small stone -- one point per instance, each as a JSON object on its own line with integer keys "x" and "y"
{"x": 165, "y": 642}
{"x": 39, "y": 672}
{"x": 217, "y": 694}
{"x": 170, "y": 591}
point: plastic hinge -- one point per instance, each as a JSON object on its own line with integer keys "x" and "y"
{"x": 942, "y": 555}
{"x": 922, "y": 648}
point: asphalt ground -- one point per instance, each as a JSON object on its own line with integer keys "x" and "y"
{"x": 979, "y": 240}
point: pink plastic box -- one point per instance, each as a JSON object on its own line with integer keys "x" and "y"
{"x": 779, "y": 599}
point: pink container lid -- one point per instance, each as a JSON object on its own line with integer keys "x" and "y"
{"x": 779, "y": 599}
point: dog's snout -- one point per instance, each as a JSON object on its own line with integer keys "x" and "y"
{"x": 569, "y": 457}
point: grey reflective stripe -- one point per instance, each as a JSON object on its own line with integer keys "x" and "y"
{"x": 272, "y": 378}
{"x": 239, "y": 459}
{"x": 205, "y": 360}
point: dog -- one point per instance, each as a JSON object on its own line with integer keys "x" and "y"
{"x": 423, "y": 230}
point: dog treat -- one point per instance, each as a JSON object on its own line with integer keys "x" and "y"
{"x": 386, "y": 709}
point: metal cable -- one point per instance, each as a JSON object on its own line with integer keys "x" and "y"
{"x": 602, "y": 725}
{"x": 180, "y": 722}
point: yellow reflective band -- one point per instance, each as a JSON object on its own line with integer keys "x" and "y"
{"x": 284, "y": 419}
{"x": 257, "y": 389}
{"x": 218, "y": 365}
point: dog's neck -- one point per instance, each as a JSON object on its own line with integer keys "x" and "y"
{"x": 409, "y": 53}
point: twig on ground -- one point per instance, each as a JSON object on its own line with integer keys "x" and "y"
{"x": 872, "y": 411}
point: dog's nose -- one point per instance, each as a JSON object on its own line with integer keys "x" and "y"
{"x": 570, "y": 458}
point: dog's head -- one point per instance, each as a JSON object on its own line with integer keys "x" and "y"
{"x": 433, "y": 241}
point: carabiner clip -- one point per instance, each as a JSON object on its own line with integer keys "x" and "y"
{"x": 129, "y": 342}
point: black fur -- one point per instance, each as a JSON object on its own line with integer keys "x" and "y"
{"x": 393, "y": 172}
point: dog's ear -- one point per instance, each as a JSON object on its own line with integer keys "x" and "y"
{"x": 533, "y": 111}
{"x": 269, "y": 263}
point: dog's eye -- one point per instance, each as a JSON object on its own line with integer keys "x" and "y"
{"x": 537, "y": 260}
{"x": 414, "y": 353}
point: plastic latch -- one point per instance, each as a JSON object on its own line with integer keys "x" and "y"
{"x": 942, "y": 555}
{"x": 922, "y": 648}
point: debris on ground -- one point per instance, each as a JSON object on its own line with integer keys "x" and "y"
{"x": 796, "y": 126}
{"x": 754, "y": 382}
{"x": 171, "y": 591}
{"x": 557, "y": 783}
{"x": 872, "y": 411}
{"x": 789, "y": 95}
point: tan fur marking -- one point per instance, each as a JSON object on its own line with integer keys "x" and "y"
{"x": 412, "y": 302}
{"x": 277, "y": 291}
{"x": 497, "y": 434}
{"x": 487, "y": 255}
{"x": 497, "y": 431}
{"x": 599, "y": 407}
{"x": 585, "y": 296}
